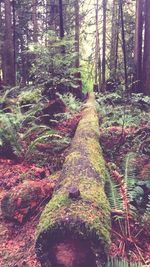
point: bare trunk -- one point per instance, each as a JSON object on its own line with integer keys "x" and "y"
{"x": 123, "y": 44}
{"x": 104, "y": 43}
{"x": 146, "y": 58}
{"x": 138, "y": 45}
{"x": 61, "y": 21}
{"x": 114, "y": 39}
{"x": 61, "y": 25}
{"x": 34, "y": 21}
{"x": 9, "y": 75}
{"x": 77, "y": 33}
{"x": 96, "y": 46}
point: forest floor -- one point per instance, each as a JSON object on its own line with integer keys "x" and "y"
{"x": 17, "y": 237}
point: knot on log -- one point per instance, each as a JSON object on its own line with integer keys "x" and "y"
{"x": 74, "y": 192}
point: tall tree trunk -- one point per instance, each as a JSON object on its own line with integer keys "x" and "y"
{"x": 123, "y": 44}
{"x": 99, "y": 66}
{"x": 146, "y": 58}
{"x": 14, "y": 32}
{"x": 114, "y": 39}
{"x": 34, "y": 21}
{"x": 61, "y": 25}
{"x": 96, "y": 47}
{"x": 61, "y": 20}
{"x": 104, "y": 42}
{"x": 138, "y": 45}
{"x": 77, "y": 33}
{"x": 9, "y": 75}
{"x": 1, "y": 40}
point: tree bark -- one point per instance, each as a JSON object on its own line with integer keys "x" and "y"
{"x": 34, "y": 21}
{"x": 9, "y": 75}
{"x": 96, "y": 46}
{"x": 104, "y": 42}
{"x": 114, "y": 39}
{"x": 61, "y": 21}
{"x": 76, "y": 222}
{"x": 138, "y": 45}
{"x": 123, "y": 44}
{"x": 146, "y": 58}
{"x": 77, "y": 34}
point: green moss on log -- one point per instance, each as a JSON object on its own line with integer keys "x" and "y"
{"x": 88, "y": 217}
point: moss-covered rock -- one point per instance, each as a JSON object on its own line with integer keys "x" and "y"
{"x": 87, "y": 216}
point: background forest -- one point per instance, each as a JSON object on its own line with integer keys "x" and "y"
{"x": 45, "y": 41}
{"x": 53, "y": 53}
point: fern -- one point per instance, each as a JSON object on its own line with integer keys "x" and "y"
{"x": 146, "y": 216}
{"x": 50, "y": 136}
{"x": 115, "y": 262}
{"x": 70, "y": 101}
{"x": 113, "y": 195}
{"x": 129, "y": 168}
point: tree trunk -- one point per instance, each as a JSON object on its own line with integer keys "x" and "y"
{"x": 114, "y": 39}
{"x": 96, "y": 46}
{"x": 61, "y": 21}
{"x": 138, "y": 45}
{"x": 123, "y": 44}
{"x": 9, "y": 75}
{"x": 61, "y": 25}
{"x": 104, "y": 42}
{"x": 34, "y": 21}
{"x": 74, "y": 229}
{"x": 77, "y": 34}
{"x": 1, "y": 41}
{"x": 146, "y": 58}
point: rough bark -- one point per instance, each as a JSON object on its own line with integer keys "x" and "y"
{"x": 77, "y": 34}
{"x": 8, "y": 48}
{"x": 138, "y": 44}
{"x": 114, "y": 39}
{"x": 123, "y": 43}
{"x": 146, "y": 58}
{"x": 34, "y": 21}
{"x": 96, "y": 44}
{"x": 104, "y": 42}
{"x": 76, "y": 222}
{"x": 61, "y": 20}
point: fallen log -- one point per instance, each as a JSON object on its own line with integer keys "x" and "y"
{"x": 74, "y": 229}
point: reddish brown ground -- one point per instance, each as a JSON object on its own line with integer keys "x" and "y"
{"x": 16, "y": 241}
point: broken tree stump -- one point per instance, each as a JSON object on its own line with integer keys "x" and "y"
{"x": 74, "y": 228}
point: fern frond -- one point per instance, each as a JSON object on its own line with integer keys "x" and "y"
{"x": 146, "y": 216}
{"x": 42, "y": 138}
{"x": 36, "y": 127}
{"x": 113, "y": 195}
{"x": 129, "y": 167}
{"x": 115, "y": 262}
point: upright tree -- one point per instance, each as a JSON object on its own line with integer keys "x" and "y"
{"x": 114, "y": 39}
{"x": 123, "y": 42}
{"x": 77, "y": 33}
{"x": 34, "y": 20}
{"x": 104, "y": 42}
{"x": 146, "y": 57}
{"x": 9, "y": 75}
{"x": 138, "y": 44}
{"x": 96, "y": 44}
{"x": 61, "y": 19}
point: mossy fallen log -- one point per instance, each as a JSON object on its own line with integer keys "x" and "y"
{"x": 74, "y": 229}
